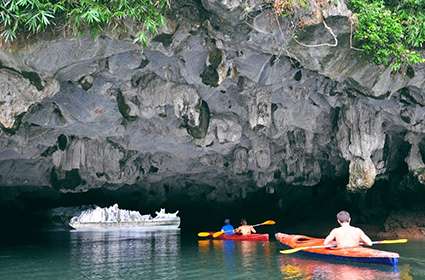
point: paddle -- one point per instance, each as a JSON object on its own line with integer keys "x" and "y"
{"x": 294, "y": 250}
{"x": 266, "y": 223}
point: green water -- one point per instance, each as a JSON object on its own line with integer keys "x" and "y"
{"x": 138, "y": 255}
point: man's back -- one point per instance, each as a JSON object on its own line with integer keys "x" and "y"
{"x": 246, "y": 229}
{"x": 347, "y": 236}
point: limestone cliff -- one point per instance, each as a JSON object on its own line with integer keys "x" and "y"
{"x": 226, "y": 100}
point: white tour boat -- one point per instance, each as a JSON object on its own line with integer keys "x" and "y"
{"x": 113, "y": 218}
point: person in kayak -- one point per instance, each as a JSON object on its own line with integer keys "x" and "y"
{"x": 228, "y": 228}
{"x": 245, "y": 229}
{"x": 346, "y": 235}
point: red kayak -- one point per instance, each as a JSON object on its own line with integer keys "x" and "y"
{"x": 240, "y": 237}
{"x": 358, "y": 254}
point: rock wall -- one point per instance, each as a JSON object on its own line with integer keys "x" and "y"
{"x": 226, "y": 100}
{"x": 400, "y": 224}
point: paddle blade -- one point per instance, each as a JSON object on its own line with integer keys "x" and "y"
{"x": 293, "y": 250}
{"x": 217, "y": 234}
{"x": 396, "y": 241}
{"x": 269, "y": 222}
{"x": 203, "y": 234}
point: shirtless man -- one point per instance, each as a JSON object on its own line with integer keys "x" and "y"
{"x": 346, "y": 235}
{"x": 245, "y": 229}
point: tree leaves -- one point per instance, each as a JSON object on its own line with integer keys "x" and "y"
{"x": 34, "y": 16}
{"x": 391, "y": 32}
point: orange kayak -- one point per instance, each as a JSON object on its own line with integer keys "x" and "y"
{"x": 240, "y": 237}
{"x": 358, "y": 254}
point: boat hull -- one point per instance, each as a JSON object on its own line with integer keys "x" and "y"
{"x": 249, "y": 237}
{"x": 358, "y": 254}
{"x": 123, "y": 226}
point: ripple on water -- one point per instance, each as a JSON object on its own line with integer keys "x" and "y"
{"x": 141, "y": 255}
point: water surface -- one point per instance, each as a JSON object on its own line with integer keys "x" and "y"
{"x": 175, "y": 255}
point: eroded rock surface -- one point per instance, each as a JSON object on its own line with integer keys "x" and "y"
{"x": 18, "y": 93}
{"x": 226, "y": 101}
{"x": 404, "y": 224}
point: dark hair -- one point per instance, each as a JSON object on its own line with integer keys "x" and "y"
{"x": 243, "y": 222}
{"x": 343, "y": 217}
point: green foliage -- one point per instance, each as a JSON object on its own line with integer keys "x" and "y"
{"x": 33, "y": 16}
{"x": 392, "y": 31}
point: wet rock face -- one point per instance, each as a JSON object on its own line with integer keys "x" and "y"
{"x": 404, "y": 224}
{"x": 214, "y": 103}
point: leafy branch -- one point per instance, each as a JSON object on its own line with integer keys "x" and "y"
{"x": 33, "y": 16}
{"x": 391, "y": 32}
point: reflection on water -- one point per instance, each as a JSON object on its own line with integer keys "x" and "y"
{"x": 108, "y": 255}
{"x": 165, "y": 255}
{"x": 239, "y": 259}
{"x": 305, "y": 268}
{"x": 93, "y": 255}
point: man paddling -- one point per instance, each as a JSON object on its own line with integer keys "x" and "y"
{"x": 346, "y": 235}
{"x": 228, "y": 228}
{"x": 245, "y": 229}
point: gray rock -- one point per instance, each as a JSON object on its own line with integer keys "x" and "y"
{"x": 29, "y": 173}
{"x": 17, "y": 94}
{"x": 362, "y": 174}
{"x": 49, "y": 57}
{"x": 260, "y": 111}
{"x": 213, "y": 109}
